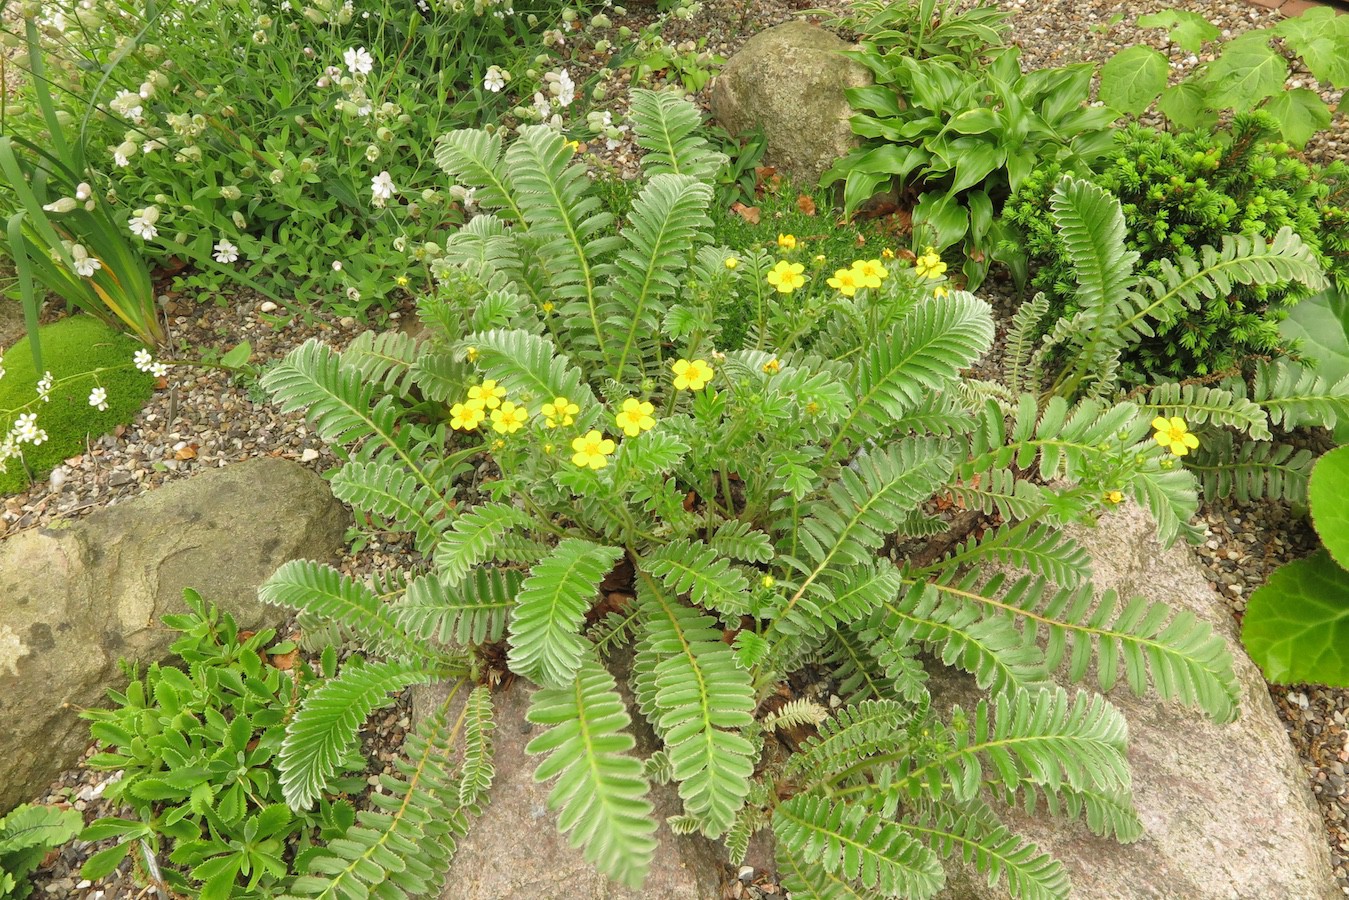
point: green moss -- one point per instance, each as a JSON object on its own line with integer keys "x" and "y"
{"x": 81, "y": 353}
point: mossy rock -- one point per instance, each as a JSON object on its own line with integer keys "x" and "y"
{"x": 82, "y": 353}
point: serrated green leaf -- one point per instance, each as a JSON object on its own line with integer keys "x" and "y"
{"x": 1248, "y": 71}
{"x": 1133, "y": 78}
{"x": 1301, "y": 113}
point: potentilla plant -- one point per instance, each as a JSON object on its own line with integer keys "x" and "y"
{"x": 268, "y": 143}
{"x": 760, "y": 509}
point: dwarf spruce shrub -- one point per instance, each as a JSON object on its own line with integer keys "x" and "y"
{"x": 1184, "y": 192}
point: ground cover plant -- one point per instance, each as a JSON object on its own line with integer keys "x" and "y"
{"x": 297, "y": 161}
{"x": 1182, "y": 193}
{"x": 96, "y": 380}
{"x": 196, "y": 750}
{"x": 751, "y": 497}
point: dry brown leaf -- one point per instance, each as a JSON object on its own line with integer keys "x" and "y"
{"x": 806, "y": 205}
{"x": 749, "y": 213}
{"x": 188, "y": 452}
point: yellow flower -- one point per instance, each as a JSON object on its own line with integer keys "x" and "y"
{"x": 575, "y": 146}
{"x": 635, "y": 417}
{"x": 870, "y": 272}
{"x": 1114, "y": 497}
{"x": 929, "y": 265}
{"x": 547, "y": 307}
{"x": 772, "y": 367}
{"x": 768, "y": 581}
{"x": 845, "y": 280}
{"x": 471, "y": 353}
{"x": 489, "y": 393}
{"x": 786, "y": 276}
{"x": 732, "y": 262}
{"x": 559, "y": 412}
{"x": 787, "y": 241}
{"x": 402, "y": 281}
{"x": 819, "y": 260}
{"x": 1173, "y": 434}
{"x": 498, "y": 444}
{"x": 466, "y": 416}
{"x": 940, "y": 291}
{"x": 691, "y": 375}
{"x": 509, "y": 418}
{"x": 887, "y": 253}
{"x": 592, "y": 451}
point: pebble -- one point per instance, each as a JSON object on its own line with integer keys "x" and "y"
{"x": 267, "y": 306}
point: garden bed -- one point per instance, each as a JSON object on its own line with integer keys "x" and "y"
{"x": 224, "y": 421}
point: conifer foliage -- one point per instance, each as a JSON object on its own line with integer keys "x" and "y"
{"x": 760, "y": 509}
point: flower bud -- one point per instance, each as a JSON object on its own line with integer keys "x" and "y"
{"x": 64, "y": 205}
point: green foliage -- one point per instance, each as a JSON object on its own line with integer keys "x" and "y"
{"x": 253, "y": 128}
{"x": 26, "y": 834}
{"x": 963, "y": 138}
{"x": 1296, "y": 626}
{"x": 198, "y": 752}
{"x": 741, "y": 526}
{"x": 1180, "y": 194}
{"x": 1319, "y": 329}
{"x": 926, "y": 29}
{"x": 1241, "y": 74}
{"x": 82, "y": 354}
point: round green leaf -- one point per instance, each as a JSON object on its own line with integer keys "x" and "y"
{"x": 1297, "y": 625}
{"x": 1326, "y": 494}
{"x": 1132, "y": 79}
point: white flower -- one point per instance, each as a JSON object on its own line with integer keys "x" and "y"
{"x": 494, "y": 81}
{"x": 159, "y": 369}
{"x": 567, "y": 88}
{"x": 143, "y": 360}
{"x": 85, "y": 265}
{"x": 358, "y": 61}
{"x": 44, "y": 387}
{"x": 119, "y": 160}
{"x": 541, "y": 105}
{"x": 151, "y": 146}
{"x": 142, "y": 223}
{"x": 225, "y": 252}
{"x": 381, "y": 186}
{"x": 353, "y": 295}
{"x": 39, "y": 435}
{"x": 25, "y": 429}
{"x": 337, "y": 265}
{"x": 98, "y": 399}
{"x": 83, "y": 191}
{"x": 127, "y": 105}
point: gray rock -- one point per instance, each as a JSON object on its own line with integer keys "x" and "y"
{"x": 790, "y": 79}
{"x": 1226, "y": 808}
{"x": 514, "y": 851}
{"x": 79, "y": 598}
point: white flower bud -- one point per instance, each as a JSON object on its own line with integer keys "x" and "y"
{"x": 64, "y": 205}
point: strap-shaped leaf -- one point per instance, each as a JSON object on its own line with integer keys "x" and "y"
{"x": 321, "y": 590}
{"x": 473, "y": 538}
{"x": 668, "y": 128}
{"x": 697, "y": 698}
{"x": 402, "y": 846}
{"x": 471, "y": 613}
{"x": 694, "y": 568}
{"x": 995, "y": 851}
{"x": 324, "y": 732}
{"x": 545, "y": 628}
{"x": 600, "y": 794}
{"x": 923, "y": 353}
{"x": 475, "y": 778}
{"x": 847, "y": 840}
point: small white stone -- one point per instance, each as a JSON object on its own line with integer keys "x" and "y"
{"x": 746, "y": 873}
{"x": 309, "y": 455}
{"x": 267, "y": 306}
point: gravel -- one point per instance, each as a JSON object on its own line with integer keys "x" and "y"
{"x": 224, "y": 419}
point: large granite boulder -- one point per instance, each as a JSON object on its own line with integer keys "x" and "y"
{"x": 514, "y": 851}
{"x": 1226, "y": 808}
{"x": 790, "y": 80}
{"x": 79, "y": 598}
